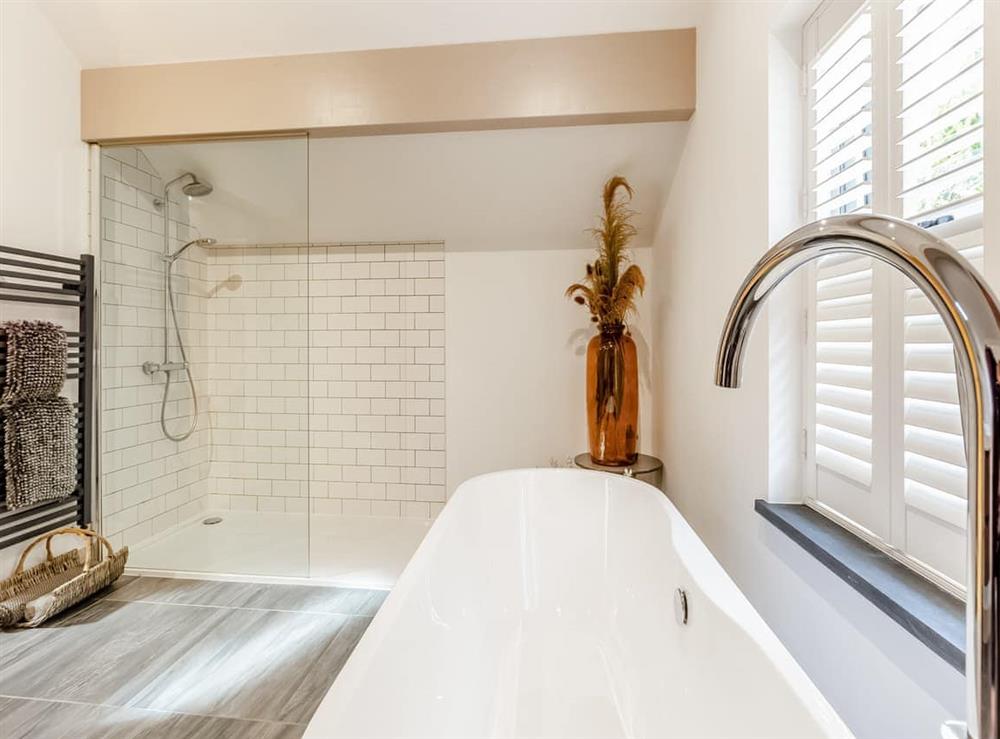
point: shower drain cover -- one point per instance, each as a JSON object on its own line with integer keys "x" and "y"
{"x": 212, "y": 520}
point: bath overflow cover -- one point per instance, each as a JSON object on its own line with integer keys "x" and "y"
{"x": 681, "y": 606}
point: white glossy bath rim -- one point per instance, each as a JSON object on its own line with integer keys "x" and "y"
{"x": 541, "y": 604}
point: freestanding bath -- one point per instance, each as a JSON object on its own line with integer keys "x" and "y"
{"x": 547, "y": 603}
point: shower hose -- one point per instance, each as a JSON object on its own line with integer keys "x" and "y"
{"x": 187, "y": 368}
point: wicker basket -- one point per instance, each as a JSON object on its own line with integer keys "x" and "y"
{"x": 30, "y": 597}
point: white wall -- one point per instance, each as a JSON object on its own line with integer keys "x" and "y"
{"x": 715, "y": 442}
{"x": 43, "y": 163}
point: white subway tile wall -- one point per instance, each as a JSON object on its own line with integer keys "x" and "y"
{"x": 149, "y": 483}
{"x": 327, "y": 378}
{"x": 320, "y": 371}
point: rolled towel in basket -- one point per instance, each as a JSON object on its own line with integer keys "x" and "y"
{"x": 39, "y": 440}
{"x": 36, "y": 361}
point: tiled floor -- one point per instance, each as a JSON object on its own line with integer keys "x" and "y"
{"x": 181, "y": 658}
{"x": 348, "y": 551}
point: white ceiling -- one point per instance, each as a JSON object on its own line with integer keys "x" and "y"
{"x": 105, "y": 33}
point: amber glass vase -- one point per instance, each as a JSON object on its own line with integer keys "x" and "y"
{"x": 612, "y": 397}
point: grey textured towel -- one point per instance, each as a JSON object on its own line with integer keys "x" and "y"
{"x": 36, "y": 361}
{"x": 39, "y": 445}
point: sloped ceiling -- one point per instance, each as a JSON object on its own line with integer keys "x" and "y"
{"x": 498, "y": 190}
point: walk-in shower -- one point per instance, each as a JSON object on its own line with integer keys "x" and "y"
{"x": 303, "y": 375}
{"x": 195, "y": 188}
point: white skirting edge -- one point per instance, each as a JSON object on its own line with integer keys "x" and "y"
{"x": 263, "y": 579}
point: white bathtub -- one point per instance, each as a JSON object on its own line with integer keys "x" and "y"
{"x": 541, "y": 604}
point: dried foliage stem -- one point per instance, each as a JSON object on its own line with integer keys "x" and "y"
{"x": 609, "y": 287}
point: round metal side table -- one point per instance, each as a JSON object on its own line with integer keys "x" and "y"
{"x": 646, "y": 468}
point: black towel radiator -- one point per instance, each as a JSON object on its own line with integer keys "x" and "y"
{"x": 50, "y": 279}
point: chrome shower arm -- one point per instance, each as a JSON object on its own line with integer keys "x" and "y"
{"x": 971, "y": 314}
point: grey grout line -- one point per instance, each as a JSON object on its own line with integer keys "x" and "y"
{"x": 234, "y": 608}
{"x": 152, "y": 710}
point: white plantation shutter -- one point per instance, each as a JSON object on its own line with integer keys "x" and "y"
{"x": 844, "y": 396}
{"x": 844, "y": 369}
{"x": 842, "y": 121}
{"x": 939, "y": 155}
{"x": 844, "y": 444}
{"x": 933, "y": 467}
{"x": 885, "y": 453}
{"x": 940, "y": 70}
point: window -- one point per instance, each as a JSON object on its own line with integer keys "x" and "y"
{"x": 895, "y": 125}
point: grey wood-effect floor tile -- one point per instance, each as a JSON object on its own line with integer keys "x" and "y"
{"x": 11, "y": 636}
{"x": 255, "y": 664}
{"x": 35, "y": 719}
{"x": 105, "y": 653}
{"x": 166, "y": 647}
{"x": 316, "y": 599}
{"x": 184, "y": 591}
{"x": 349, "y": 601}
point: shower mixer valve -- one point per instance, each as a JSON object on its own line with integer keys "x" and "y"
{"x": 151, "y": 368}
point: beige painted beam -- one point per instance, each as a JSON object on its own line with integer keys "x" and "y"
{"x": 610, "y": 78}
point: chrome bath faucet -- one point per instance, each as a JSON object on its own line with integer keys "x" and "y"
{"x": 972, "y": 315}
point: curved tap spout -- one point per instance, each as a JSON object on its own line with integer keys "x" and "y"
{"x": 972, "y": 315}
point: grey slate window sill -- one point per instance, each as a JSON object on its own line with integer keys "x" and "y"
{"x": 934, "y": 617}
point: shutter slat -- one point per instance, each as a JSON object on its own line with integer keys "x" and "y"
{"x": 925, "y": 329}
{"x": 849, "y": 172}
{"x": 837, "y": 265}
{"x": 930, "y": 414}
{"x": 856, "y": 306}
{"x": 845, "y": 353}
{"x": 948, "y": 508}
{"x": 922, "y": 33}
{"x": 830, "y": 142}
{"x": 844, "y": 442}
{"x": 912, "y": 9}
{"x": 935, "y": 445}
{"x": 843, "y": 419}
{"x": 933, "y": 473}
{"x": 930, "y": 357}
{"x": 936, "y": 386}
{"x": 845, "y": 286}
{"x": 851, "y": 399}
{"x": 844, "y": 464}
{"x": 849, "y": 150}
{"x": 847, "y": 329}
{"x": 845, "y": 375}
{"x": 954, "y": 91}
{"x": 965, "y": 45}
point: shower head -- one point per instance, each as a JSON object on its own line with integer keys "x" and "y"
{"x": 196, "y": 188}
{"x": 171, "y": 258}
